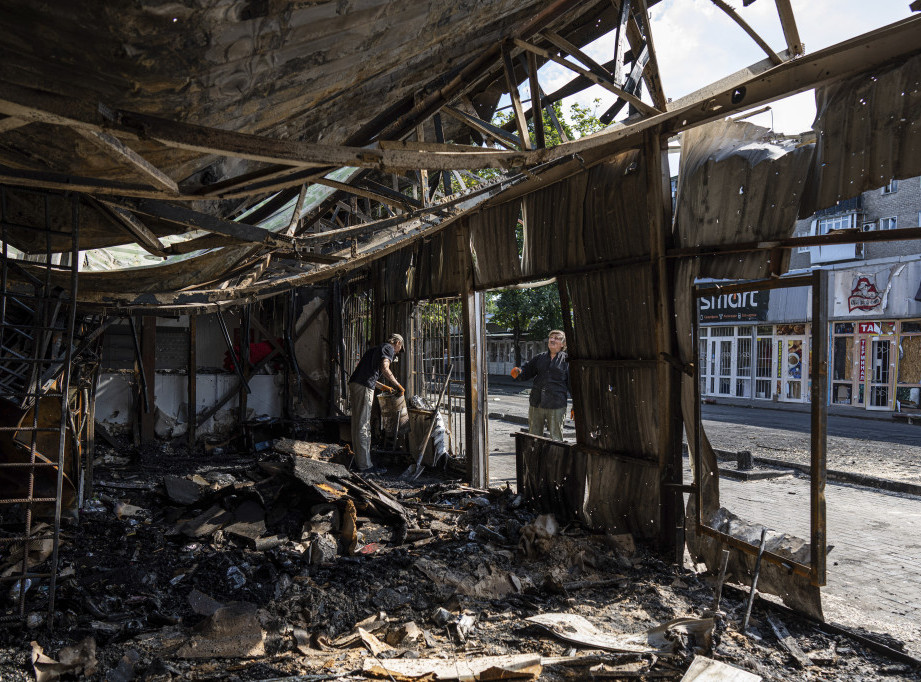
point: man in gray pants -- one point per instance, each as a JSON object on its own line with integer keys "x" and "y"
{"x": 550, "y": 371}
{"x": 373, "y": 364}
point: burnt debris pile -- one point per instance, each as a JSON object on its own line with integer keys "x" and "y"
{"x": 288, "y": 564}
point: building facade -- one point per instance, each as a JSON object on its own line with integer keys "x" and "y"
{"x": 755, "y": 347}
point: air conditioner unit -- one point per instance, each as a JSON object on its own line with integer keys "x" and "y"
{"x": 869, "y": 227}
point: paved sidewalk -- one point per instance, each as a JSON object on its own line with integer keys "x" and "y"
{"x": 874, "y": 569}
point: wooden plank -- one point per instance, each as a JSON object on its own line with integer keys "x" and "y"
{"x": 211, "y": 241}
{"x": 511, "y": 83}
{"x": 787, "y": 642}
{"x": 790, "y": 32}
{"x": 121, "y": 152}
{"x": 138, "y": 230}
{"x": 819, "y": 427}
{"x": 620, "y": 39}
{"x": 732, "y": 14}
{"x": 192, "y": 379}
{"x": 561, "y": 43}
{"x": 535, "y": 101}
{"x": 202, "y": 221}
{"x": 650, "y": 75}
{"x": 296, "y": 212}
{"x": 594, "y": 78}
{"x": 72, "y": 183}
{"x": 394, "y": 194}
{"x": 9, "y": 123}
{"x": 149, "y": 360}
{"x": 362, "y": 192}
{"x": 485, "y": 128}
{"x": 440, "y": 137}
{"x": 631, "y": 85}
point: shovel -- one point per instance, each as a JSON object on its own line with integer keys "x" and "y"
{"x": 414, "y": 470}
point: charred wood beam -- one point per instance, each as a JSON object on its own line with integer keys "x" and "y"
{"x": 355, "y": 211}
{"x": 732, "y": 14}
{"x": 564, "y": 45}
{"x": 392, "y": 194}
{"x": 72, "y": 183}
{"x": 638, "y": 40}
{"x": 471, "y": 75}
{"x": 11, "y": 123}
{"x": 211, "y": 241}
{"x": 202, "y": 221}
{"x": 620, "y": 38}
{"x": 296, "y": 213}
{"x": 576, "y": 85}
{"x": 130, "y": 223}
{"x": 632, "y": 86}
{"x": 595, "y": 78}
{"x": 511, "y": 83}
{"x": 485, "y": 128}
{"x": 119, "y": 151}
{"x": 790, "y": 32}
{"x": 542, "y": 101}
{"x": 397, "y": 201}
{"x": 534, "y": 86}
{"x": 440, "y": 137}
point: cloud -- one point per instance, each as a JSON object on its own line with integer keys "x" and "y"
{"x": 697, "y": 44}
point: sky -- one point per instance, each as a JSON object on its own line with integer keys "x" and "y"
{"x": 696, "y": 44}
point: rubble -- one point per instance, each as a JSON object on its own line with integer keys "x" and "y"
{"x": 289, "y": 564}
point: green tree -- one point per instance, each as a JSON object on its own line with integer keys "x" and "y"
{"x": 530, "y": 314}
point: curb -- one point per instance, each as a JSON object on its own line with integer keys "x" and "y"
{"x": 830, "y": 474}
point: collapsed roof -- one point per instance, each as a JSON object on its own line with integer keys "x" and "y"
{"x": 229, "y": 137}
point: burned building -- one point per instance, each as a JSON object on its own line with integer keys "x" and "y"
{"x": 209, "y": 210}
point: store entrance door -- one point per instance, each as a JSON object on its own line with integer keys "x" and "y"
{"x": 720, "y": 366}
{"x": 879, "y": 378}
{"x": 794, "y": 374}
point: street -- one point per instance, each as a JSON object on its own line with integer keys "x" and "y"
{"x": 874, "y": 569}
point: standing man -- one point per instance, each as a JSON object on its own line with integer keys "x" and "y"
{"x": 374, "y": 363}
{"x": 550, "y": 371}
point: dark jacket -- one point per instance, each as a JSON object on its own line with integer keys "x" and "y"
{"x": 551, "y": 379}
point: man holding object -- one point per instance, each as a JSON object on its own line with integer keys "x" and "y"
{"x": 375, "y": 363}
{"x": 550, "y": 372}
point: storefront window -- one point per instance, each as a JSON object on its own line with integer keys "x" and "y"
{"x": 842, "y": 368}
{"x": 908, "y": 390}
{"x": 844, "y": 327}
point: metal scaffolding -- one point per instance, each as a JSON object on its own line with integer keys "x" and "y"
{"x": 44, "y": 403}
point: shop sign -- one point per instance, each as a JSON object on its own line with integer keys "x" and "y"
{"x": 863, "y": 359}
{"x": 864, "y": 296}
{"x": 748, "y": 306}
{"x": 868, "y": 328}
{"x": 863, "y": 292}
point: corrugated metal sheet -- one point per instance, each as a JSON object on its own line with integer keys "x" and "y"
{"x": 599, "y": 489}
{"x": 494, "y": 245}
{"x": 614, "y": 319}
{"x": 868, "y": 132}
{"x": 734, "y": 185}
{"x": 588, "y": 218}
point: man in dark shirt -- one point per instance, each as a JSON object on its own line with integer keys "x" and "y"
{"x": 373, "y": 364}
{"x": 550, "y": 372}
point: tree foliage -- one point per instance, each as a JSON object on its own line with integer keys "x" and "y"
{"x": 530, "y": 314}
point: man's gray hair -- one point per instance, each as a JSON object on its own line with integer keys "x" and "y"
{"x": 394, "y": 338}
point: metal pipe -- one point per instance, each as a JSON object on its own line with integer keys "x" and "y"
{"x": 233, "y": 356}
{"x": 751, "y": 595}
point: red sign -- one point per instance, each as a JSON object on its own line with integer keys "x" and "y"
{"x": 863, "y": 359}
{"x": 864, "y": 296}
{"x": 868, "y": 327}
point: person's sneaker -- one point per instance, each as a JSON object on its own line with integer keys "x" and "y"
{"x": 373, "y": 471}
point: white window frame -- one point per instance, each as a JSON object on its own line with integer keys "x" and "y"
{"x": 891, "y": 187}
{"x": 890, "y": 223}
